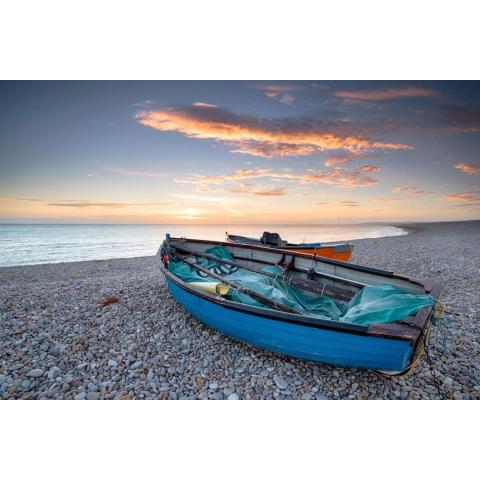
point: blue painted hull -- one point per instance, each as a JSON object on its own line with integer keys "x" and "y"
{"x": 323, "y": 345}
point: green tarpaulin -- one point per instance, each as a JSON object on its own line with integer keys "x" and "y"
{"x": 372, "y": 304}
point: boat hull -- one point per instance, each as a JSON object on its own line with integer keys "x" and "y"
{"x": 341, "y": 251}
{"x": 326, "y": 252}
{"x": 305, "y": 342}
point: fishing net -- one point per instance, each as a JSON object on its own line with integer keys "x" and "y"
{"x": 371, "y": 305}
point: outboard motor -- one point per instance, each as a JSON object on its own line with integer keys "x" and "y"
{"x": 273, "y": 239}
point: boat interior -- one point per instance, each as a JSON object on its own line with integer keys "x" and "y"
{"x": 338, "y": 280}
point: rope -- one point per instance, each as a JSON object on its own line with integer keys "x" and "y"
{"x": 432, "y": 370}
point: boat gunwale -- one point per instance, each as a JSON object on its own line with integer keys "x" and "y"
{"x": 409, "y": 329}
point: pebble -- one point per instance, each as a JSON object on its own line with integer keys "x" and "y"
{"x": 80, "y": 396}
{"x": 233, "y": 396}
{"x": 280, "y": 382}
{"x": 448, "y": 381}
{"x": 26, "y": 384}
{"x": 16, "y": 366}
{"x": 93, "y": 396}
{"x": 35, "y": 373}
{"x": 112, "y": 363}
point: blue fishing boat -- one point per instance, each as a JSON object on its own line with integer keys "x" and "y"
{"x": 302, "y": 306}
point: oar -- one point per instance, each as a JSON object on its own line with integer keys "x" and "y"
{"x": 251, "y": 293}
{"x": 317, "y": 287}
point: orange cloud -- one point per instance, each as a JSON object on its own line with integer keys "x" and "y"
{"x": 83, "y": 204}
{"x": 263, "y": 138}
{"x": 468, "y": 168}
{"x": 335, "y": 161}
{"x": 342, "y": 177}
{"x": 470, "y": 198}
{"x": 410, "y": 190}
{"x": 258, "y": 190}
{"x": 387, "y": 93}
{"x": 202, "y": 104}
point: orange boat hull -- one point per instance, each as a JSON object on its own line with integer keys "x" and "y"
{"x": 339, "y": 251}
{"x": 326, "y": 251}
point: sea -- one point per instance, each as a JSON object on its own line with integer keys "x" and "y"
{"x": 28, "y": 244}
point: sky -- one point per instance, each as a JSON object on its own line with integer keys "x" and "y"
{"x": 307, "y": 152}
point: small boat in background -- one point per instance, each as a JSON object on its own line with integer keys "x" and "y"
{"x": 338, "y": 251}
{"x": 302, "y": 306}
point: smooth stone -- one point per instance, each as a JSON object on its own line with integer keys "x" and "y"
{"x": 26, "y": 384}
{"x": 448, "y": 381}
{"x": 280, "y": 382}
{"x": 80, "y": 396}
{"x": 112, "y": 363}
{"x": 233, "y": 396}
{"x": 135, "y": 365}
{"x": 93, "y": 396}
{"x": 213, "y": 386}
{"x": 16, "y": 366}
{"x": 35, "y": 373}
{"x": 52, "y": 372}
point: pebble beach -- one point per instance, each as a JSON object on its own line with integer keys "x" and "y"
{"x": 57, "y": 341}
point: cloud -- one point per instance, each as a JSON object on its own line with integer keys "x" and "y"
{"x": 279, "y": 93}
{"x": 320, "y": 86}
{"x": 344, "y": 158}
{"x": 260, "y": 137}
{"x": 389, "y": 93}
{"x": 350, "y": 203}
{"x": 469, "y": 198}
{"x": 341, "y": 177}
{"x": 335, "y": 161}
{"x": 86, "y": 204}
{"x": 468, "y": 168}
{"x": 459, "y": 119}
{"x": 259, "y": 190}
{"x": 358, "y": 177}
{"x": 409, "y": 190}
{"x": 202, "y": 104}
{"x": 135, "y": 173}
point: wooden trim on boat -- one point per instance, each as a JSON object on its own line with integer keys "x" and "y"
{"x": 411, "y": 328}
